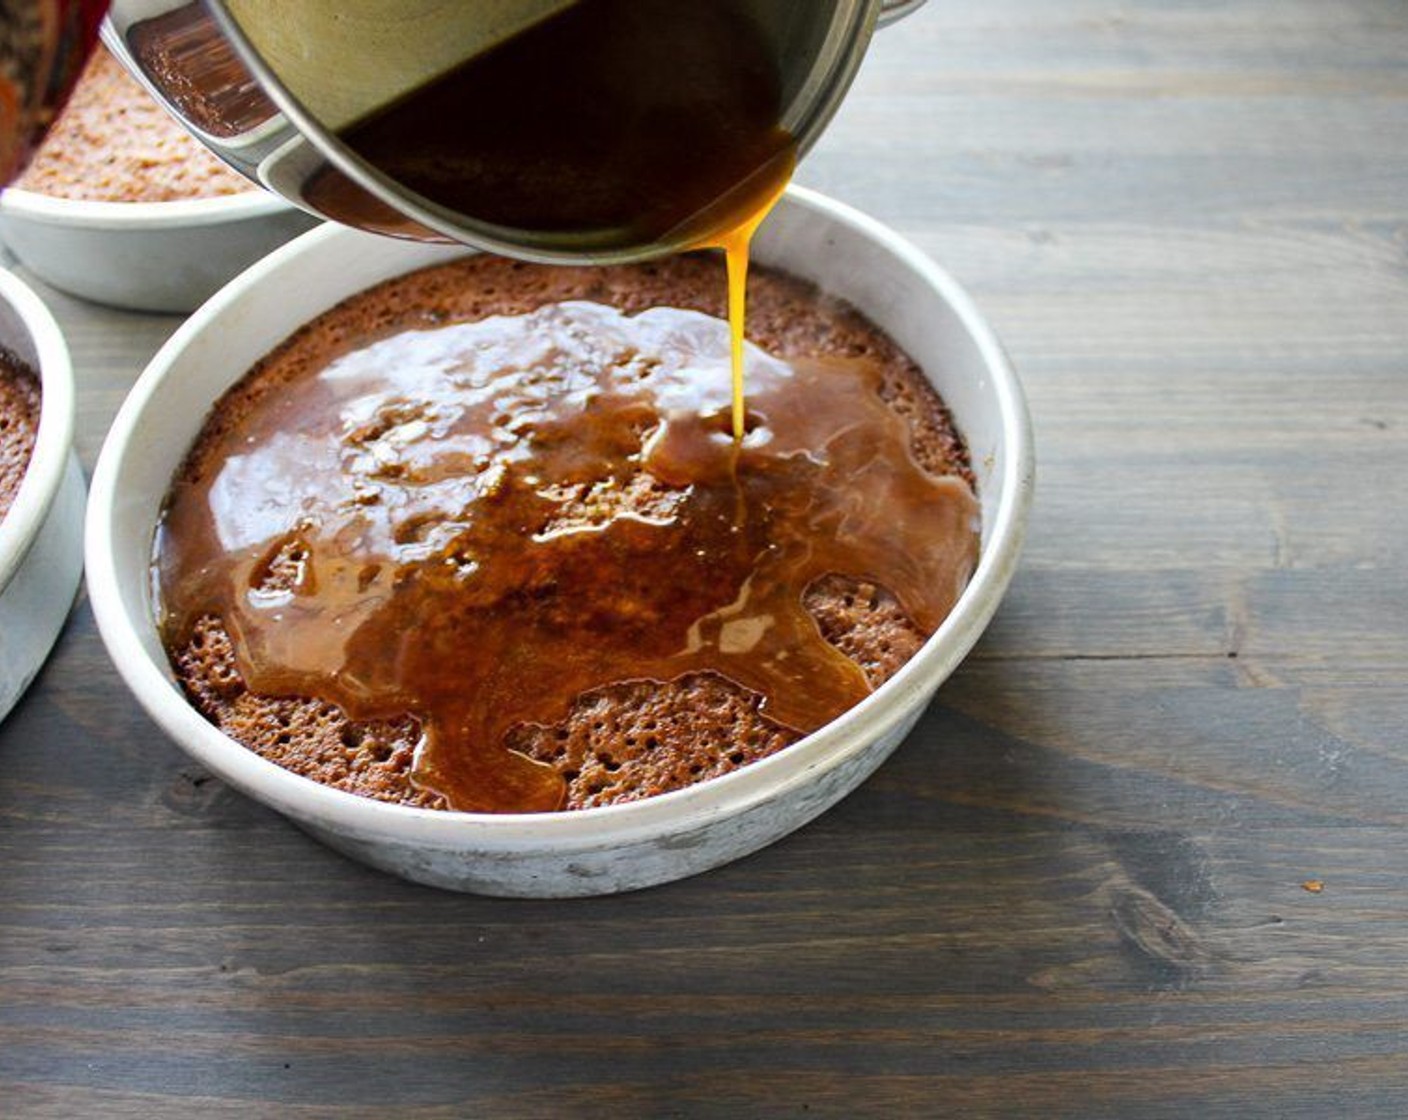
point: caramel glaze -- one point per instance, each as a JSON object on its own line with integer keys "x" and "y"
{"x": 477, "y": 523}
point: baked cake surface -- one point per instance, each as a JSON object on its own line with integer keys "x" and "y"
{"x": 19, "y": 424}
{"x": 626, "y": 739}
{"x": 115, "y": 143}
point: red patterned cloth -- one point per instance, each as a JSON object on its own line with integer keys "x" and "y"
{"x": 43, "y": 44}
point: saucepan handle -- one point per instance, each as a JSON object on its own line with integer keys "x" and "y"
{"x": 892, "y": 10}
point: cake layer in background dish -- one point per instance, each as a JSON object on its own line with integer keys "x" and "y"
{"x": 19, "y": 424}
{"x": 41, "y": 487}
{"x": 122, "y": 206}
{"x": 114, "y": 143}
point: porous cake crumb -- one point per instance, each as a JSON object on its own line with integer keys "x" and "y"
{"x": 19, "y": 424}
{"x": 115, "y": 143}
{"x": 625, "y": 740}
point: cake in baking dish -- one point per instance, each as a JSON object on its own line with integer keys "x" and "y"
{"x": 19, "y": 424}
{"x": 115, "y": 143}
{"x": 479, "y": 537}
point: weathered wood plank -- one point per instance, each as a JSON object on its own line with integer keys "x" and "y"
{"x": 1081, "y": 887}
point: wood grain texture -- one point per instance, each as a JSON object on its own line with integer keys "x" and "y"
{"x": 1078, "y": 889}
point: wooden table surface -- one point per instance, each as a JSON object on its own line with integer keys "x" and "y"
{"x": 1147, "y": 855}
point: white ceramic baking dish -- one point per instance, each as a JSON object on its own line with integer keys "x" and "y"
{"x": 596, "y": 850}
{"x": 41, "y": 537}
{"x": 145, "y": 256}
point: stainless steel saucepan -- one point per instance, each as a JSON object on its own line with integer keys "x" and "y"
{"x": 271, "y": 86}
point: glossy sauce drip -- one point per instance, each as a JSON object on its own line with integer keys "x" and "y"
{"x": 613, "y": 123}
{"x": 478, "y": 523}
{"x": 736, "y": 244}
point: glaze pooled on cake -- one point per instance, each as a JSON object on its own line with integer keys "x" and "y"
{"x": 479, "y": 537}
